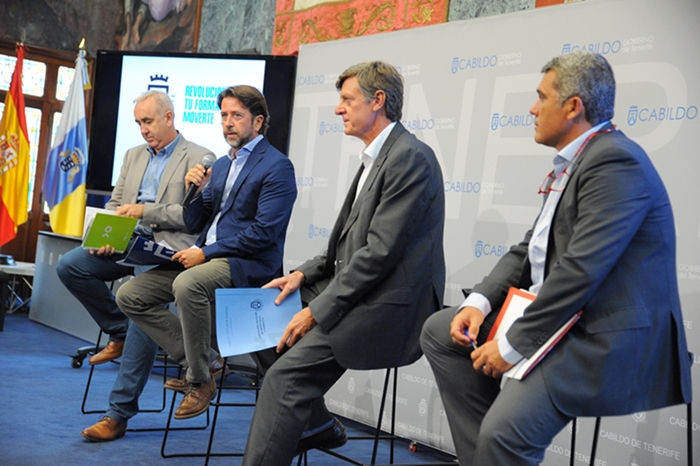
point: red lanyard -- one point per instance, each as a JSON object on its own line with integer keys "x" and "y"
{"x": 546, "y": 185}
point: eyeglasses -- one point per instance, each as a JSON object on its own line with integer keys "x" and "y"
{"x": 554, "y": 183}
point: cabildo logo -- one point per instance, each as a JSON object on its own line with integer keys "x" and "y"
{"x": 423, "y": 124}
{"x": 326, "y": 127}
{"x": 423, "y": 407}
{"x": 419, "y": 124}
{"x": 602, "y": 48}
{"x": 502, "y": 121}
{"x": 317, "y": 79}
{"x": 645, "y": 114}
{"x": 310, "y": 181}
{"x": 486, "y": 249}
{"x": 462, "y": 64}
{"x": 315, "y": 231}
{"x": 409, "y": 70}
{"x": 503, "y": 59}
{"x": 462, "y": 187}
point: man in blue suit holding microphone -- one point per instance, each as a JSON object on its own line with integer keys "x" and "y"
{"x": 242, "y": 207}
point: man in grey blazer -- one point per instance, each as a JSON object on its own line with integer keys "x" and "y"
{"x": 150, "y": 187}
{"x": 367, "y": 296}
{"x": 604, "y": 243}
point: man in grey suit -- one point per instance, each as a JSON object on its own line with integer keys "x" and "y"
{"x": 367, "y": 296}
{"x": 604, "y": 243}
{"x": 150, "y": 187}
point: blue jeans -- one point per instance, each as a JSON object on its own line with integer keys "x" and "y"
{"x": 135, "y": 368}
{"x": 84, "y": 275}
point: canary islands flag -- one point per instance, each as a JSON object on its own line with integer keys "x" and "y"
{"x": 66, "y": 163}
{"x": 14, "y": 157}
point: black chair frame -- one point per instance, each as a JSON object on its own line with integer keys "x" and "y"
{"x": 254, "y": 384}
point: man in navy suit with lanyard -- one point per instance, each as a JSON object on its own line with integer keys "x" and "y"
{"x": 604, "y": 243}
{"x": 242, "y": 208}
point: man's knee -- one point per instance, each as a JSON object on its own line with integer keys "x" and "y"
{"x": 65, "y": 268}
{"x": 436, "y": 331}
{"x": 126, "y": 299}
{"x": 182, "y": 284}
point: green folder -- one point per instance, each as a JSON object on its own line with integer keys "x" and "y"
{"x": 112, "y": 230}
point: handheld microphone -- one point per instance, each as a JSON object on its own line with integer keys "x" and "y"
{"x": 207, "y": 161}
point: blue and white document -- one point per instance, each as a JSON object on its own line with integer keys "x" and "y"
{"x": 147, "y": 252}
{"x": 248, "y": 320}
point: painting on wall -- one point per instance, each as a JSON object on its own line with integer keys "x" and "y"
{"x": 308, "y": 21}
{"x": 159, "y": 25}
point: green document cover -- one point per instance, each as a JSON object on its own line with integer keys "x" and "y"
{"x": 111, "y": 230}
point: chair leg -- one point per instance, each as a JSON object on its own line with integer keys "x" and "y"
{"x": 378, "y": 428}
{"x": 689, "y": 429}
{"x": 89, "y": 381}
{"x": 167, "y": 429}
{"x": 573, "y": 443}
{"x": 595, "y": 441}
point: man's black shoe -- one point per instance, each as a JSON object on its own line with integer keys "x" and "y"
{"x": 332, "y": 437}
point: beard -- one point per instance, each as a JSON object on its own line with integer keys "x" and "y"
{"x": 240, "y": 142}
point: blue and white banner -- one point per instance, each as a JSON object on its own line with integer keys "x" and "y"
{"x": 469, "y": 86}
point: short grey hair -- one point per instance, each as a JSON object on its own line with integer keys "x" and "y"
{"x": 590, "y": 77}
{"x": 373, "y": 76}
{"x": 163, "y": 102}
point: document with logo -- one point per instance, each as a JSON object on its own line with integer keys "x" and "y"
{"x": 248, "y": 320}
{"x": 112, "y": 230}
{"x": 146, "y": 252}
{"x": 513, "y": 308}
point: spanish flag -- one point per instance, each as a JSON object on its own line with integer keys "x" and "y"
{"x": 14, "y": 157}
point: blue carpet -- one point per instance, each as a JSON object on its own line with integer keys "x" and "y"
{"x": 41, "y": 418}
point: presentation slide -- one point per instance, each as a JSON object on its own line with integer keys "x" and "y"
{"x": 193, "y": 85}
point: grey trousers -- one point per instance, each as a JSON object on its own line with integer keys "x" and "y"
{"x": 509, "y": 427}
{"x": 291, "y": 400}
{"x": 187, "y": 336}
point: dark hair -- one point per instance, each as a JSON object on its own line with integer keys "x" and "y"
{"x": 250, "y": 98}
{"x": 589, "y": 76}
{"x": 373, "y": 76}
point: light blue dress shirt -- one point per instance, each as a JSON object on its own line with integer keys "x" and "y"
{"x": 537, "y": 248}
{"x": 148, "y": 190}
{"x": 238, "y": 160}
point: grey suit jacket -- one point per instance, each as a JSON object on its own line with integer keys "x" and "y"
{"x": 164, "y": 216}
{"x": 611, "y": 253}
{"x": 388, "y": 275}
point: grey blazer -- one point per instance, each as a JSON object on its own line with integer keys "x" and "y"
{"x": 164, "y": 216}
{"x": 612, "y": 254}
{"x": 384, "y": 271}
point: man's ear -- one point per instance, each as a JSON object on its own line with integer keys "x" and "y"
{"x": 576, "y": 109}
{"x": 258, "y": 122}
{"x": 379, "y": 100}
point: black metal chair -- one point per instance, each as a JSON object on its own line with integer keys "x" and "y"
{"x": 596, "y": 430}
{"x": 254, "y": 377}
{"x": 378, "y": 435}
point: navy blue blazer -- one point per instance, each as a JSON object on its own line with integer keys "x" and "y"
{"x": 253, "y": 223}
{"x": 612, "y": 254}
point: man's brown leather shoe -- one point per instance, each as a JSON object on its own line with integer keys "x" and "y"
{"x": 112, "y": 351}
{"x": 105, "y": 430}
{"x": 215, "y": 368}
{"x": 196, "y": 399}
